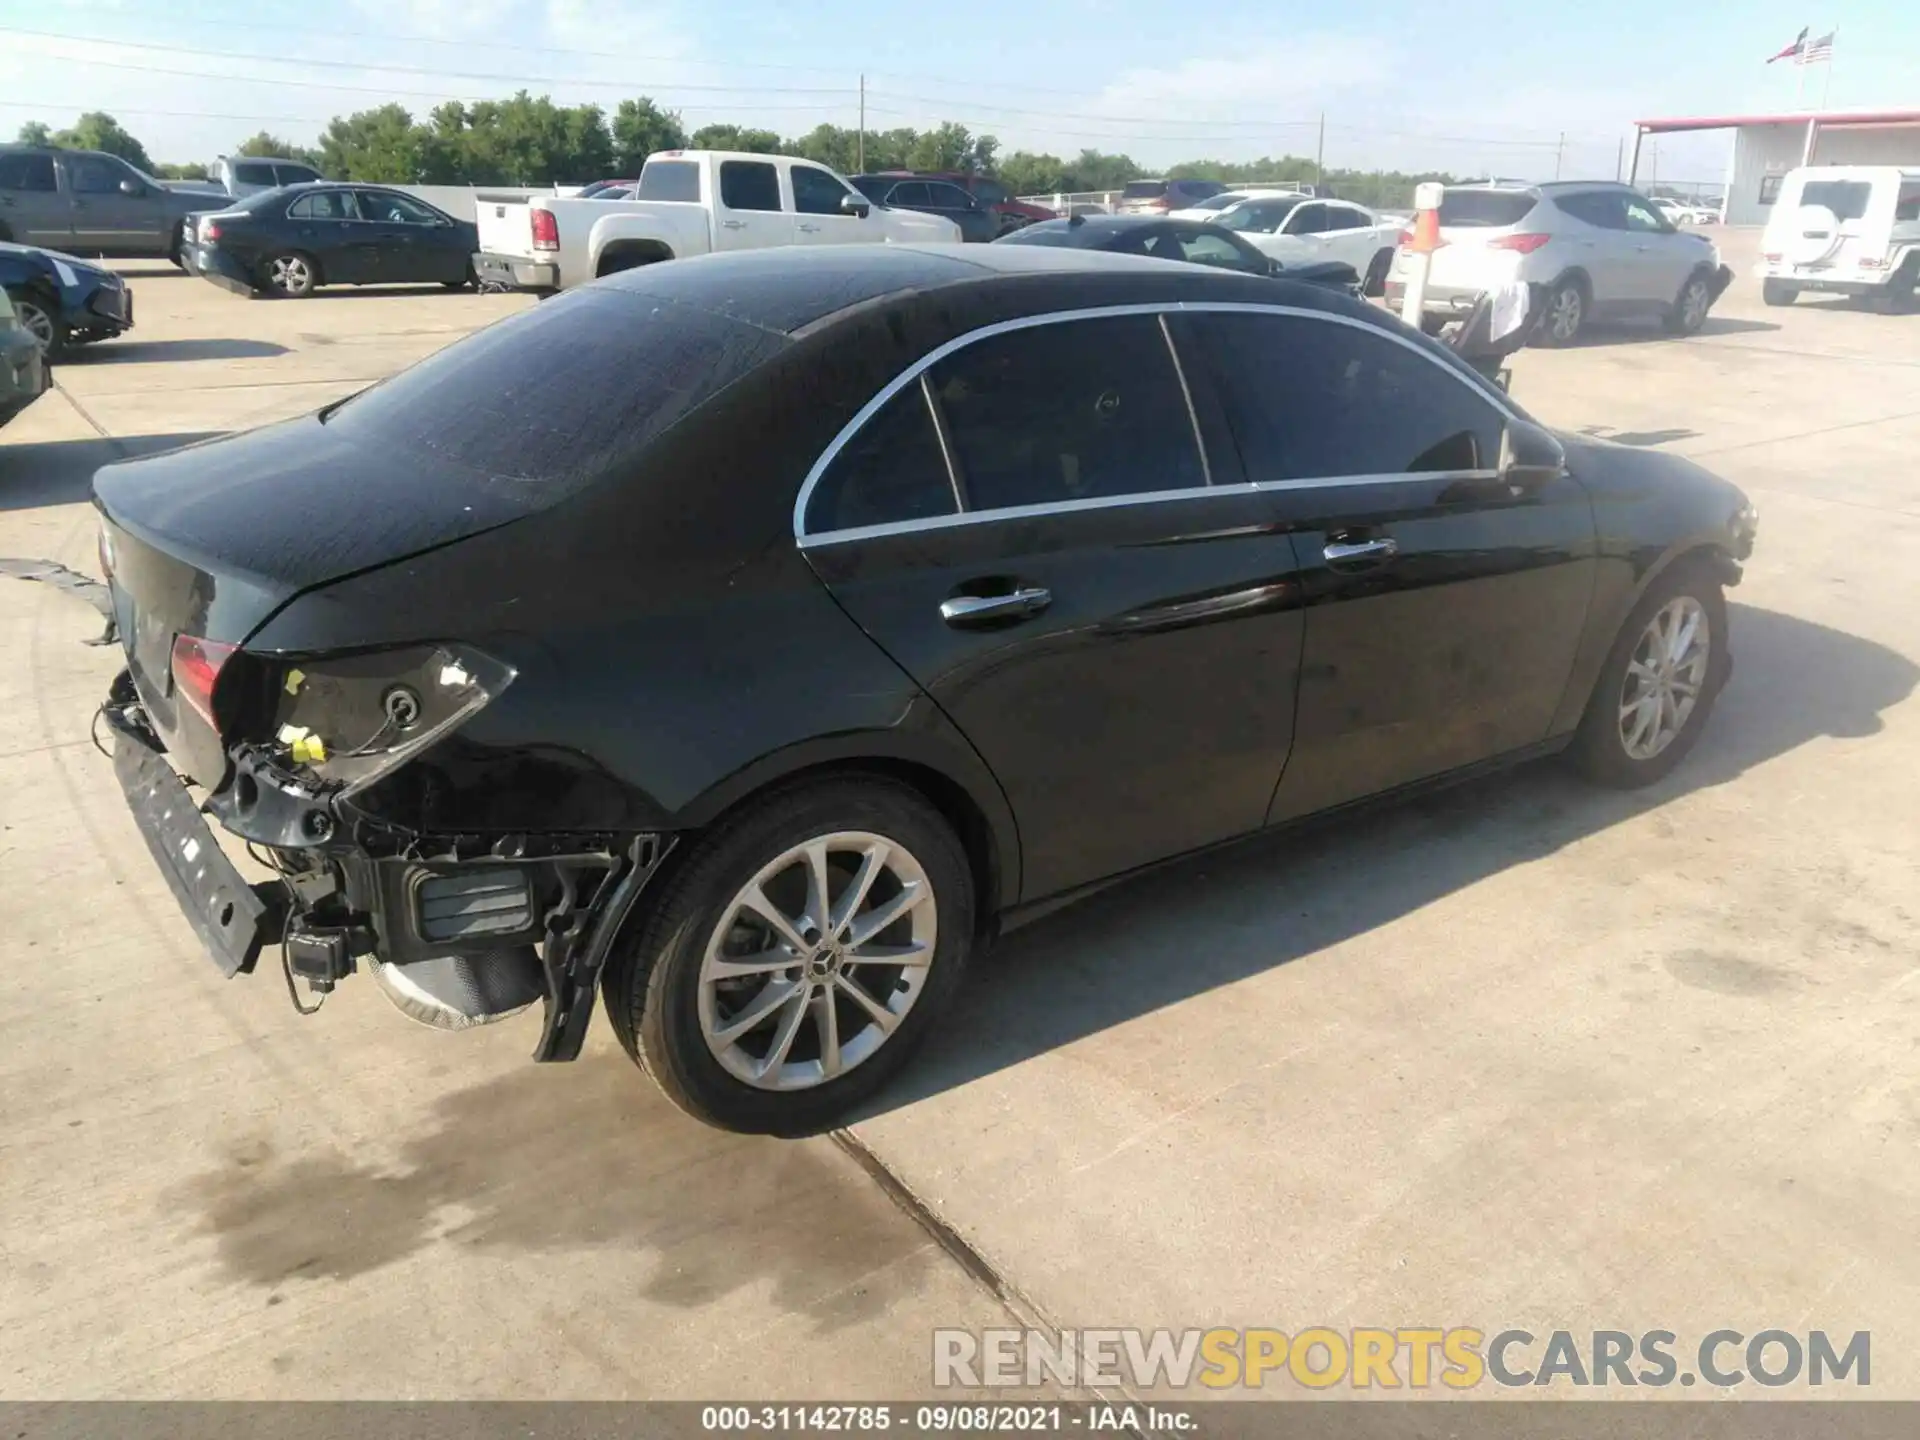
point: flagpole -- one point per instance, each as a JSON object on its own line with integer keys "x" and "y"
{"x": 1826, "y": 84}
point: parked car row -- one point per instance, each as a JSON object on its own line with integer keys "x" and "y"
{"x": 292, "y": 240}
{"x": 91, "y": 203}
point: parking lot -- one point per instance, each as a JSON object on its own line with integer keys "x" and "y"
{"x": 1523, "y": 1055}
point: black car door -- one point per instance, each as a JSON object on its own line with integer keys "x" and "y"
{"x": 326, "y": 225}
{"x": 1032, "y": 528}
{"x": 414, "y": 242}
{"x": 1443, "y": 608}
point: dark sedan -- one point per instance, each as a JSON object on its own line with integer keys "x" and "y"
{"x": 295, "y": 239}
{"x": 751, "y": 637}
{"x": 978, "y": 222}
{"x": 61, "y": 300}
{"x": 1194, "y": 242}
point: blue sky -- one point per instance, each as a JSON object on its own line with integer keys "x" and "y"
{"x": 1231, "y": 78}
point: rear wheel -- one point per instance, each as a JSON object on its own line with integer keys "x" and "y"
{"x": 1903, "y": 290}
{"x": 468, "y": 281}
{"x": 1659, "y": 682}
{"x": 797, "y": 956}
{"x": 177, "y": 247}
{"x": 1565, "y": 314}
{"x": 1777, "y": 292}
{"x": 1376, "y": 281}
{"x": 292, "y": 274}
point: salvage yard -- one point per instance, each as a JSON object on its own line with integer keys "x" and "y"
{"x": 1523, "y": 1055}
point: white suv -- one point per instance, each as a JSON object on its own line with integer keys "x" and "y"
{"x": 1845, "y": 229}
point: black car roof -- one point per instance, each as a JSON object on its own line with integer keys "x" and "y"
{"x": 788, "y": 289}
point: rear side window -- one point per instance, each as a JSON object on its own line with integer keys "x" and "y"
{"x": 749, "y": 185}
{"x": 670, "y": 180}
{"x": 324, "y": 205}
{"x": 294, "y": 175}
{"x": 1595, "y": 207}
{"x": 1907, "y": 207}
{"x": 254, "y": 172}
{"x": 1847, "y": 199}
{"x": 561, "y": 394}
{"x": 892, "y": 470}
{"x": 26, "y": 172}
{"x": 1077, "y": 410}
{"x": 1487, "y": 209}
{"x": 1310, "y": 399}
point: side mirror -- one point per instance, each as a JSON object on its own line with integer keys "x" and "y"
{"x": 1529, "y": 457}
{"x": 853, "y": 205}
{"x": 132, "y": 187}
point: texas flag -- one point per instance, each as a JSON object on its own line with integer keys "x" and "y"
{"x": 1792, "y": 51}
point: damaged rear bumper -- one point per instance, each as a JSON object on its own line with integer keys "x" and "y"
{"x": 350, "y": 890}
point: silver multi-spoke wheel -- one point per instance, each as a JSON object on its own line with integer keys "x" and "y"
{"x": 816, "y": 961}
{"x": 1694, "y": 301}
{"x": 291, "y": 273}
{"x": 35, "y": 320}
{"x": 1564, "y": 313}
{"x": 1665, "y": 677}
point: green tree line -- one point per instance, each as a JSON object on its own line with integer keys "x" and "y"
{"x": 529, "y": 140}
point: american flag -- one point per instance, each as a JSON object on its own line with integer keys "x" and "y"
{"x": 1816, "y": 51}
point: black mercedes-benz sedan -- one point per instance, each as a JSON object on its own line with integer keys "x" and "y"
{"x": 749, "y": 638}
{"x": 292, "y": 240}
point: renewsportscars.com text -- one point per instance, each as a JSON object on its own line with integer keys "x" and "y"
{"x": 1410, "y": 1358}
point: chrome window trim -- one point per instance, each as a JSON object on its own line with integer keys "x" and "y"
{"x": 1157, "y": 308}
{"x": 1186, "y": 394}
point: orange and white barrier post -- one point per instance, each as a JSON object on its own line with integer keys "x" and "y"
{"x": 1426, "y": 240}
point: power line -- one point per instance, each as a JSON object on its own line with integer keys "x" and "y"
{"x": 361, "y": 65}
{"x": 284, "y": 118}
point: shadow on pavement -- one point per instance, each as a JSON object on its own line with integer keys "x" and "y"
{"x": 1627, "y": 332}
{"x": 60, "y": 472}
{"x": 121, "y": 352}
{"x": 1211, "y": 920}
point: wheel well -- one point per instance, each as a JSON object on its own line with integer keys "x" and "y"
{"x": 630, "y": 255}
{"x": 947, "y": 796}
{"x": 1578, "y": 276}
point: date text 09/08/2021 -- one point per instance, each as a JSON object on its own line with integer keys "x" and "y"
{"x": 919, "y": 1419}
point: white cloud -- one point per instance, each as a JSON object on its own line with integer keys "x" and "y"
{"x": 616, "y": 26}
{"x": 448, "y": 19}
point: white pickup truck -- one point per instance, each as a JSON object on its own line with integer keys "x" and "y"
{"x": 688, "y": 202}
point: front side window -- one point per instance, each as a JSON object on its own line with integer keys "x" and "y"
{"x": 1308, "y": 220}
{"x": 1263, "y": 216}
{"x": 391, "y": 209}
{"x": 950, "y": 197}
{"x": 991, "y": 192}
{"x": 1907, "y": 207}
{"x": 20, "y": 171}
{"x": 815, "y": 192}
{"x": 892, "y": 470}
{"x": 293, "y": 175}
{"x": 1641, "y": 216}
{"x": 1199, "y": 248}
{"x": 1076, "y": 410}
{"x": 749, "y": 185}
{"x": 909, "y": 196}
{"x": 1346, "y": 217}
{"x": 1311, "y": 399}
{"x": 93, "y": 175}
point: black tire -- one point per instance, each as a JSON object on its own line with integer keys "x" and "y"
{"x": 469, "y": 282}
{"x": 1568, "y": 297}
{"x": 1376, "y": 281}
{"x": 1777, "y": 292}
{"x": 177, "y": 249}
{"x": 1599, "y": 749}
{"x": 1903, "y": 289}
{"x": 40, "y": 316}
{"x": 653, "y": 981}
{"x": 1689, "y": 309}
{"x": 291, "y": 274}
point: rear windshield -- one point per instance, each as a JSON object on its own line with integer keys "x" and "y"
{"x": 670, "y": 180}
{"x": 1047, "y": 232}
{"x": 561, "y": 394}
{"x": 1487, "y": 209}
{"x": 1198, "y": 189}
{"x": 253, "y": 173}
{"x": 1144, "y": 190}
{"x": 1847, "y": 199}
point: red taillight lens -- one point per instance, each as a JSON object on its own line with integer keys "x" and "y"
{"x": 1525, "y": 244}
{"x": 1406, "y": 238}
{"x": 209, "y": 232}
{"x": 1772, "y": 257}
{"x": 546, "y": 232}
{"x": 196, "y": 670}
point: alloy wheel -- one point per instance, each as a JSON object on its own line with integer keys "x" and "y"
{"x": 816, "y": 961}
{"x": 1665, "y": 676}
{"x": 1693, "y": 304}
{"x": 36, "y": 322}
{"x": 290, "y": 273}
{"x": 1563, "y": 314}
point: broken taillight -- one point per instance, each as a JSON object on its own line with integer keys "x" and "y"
{"x": 196, "y": 672}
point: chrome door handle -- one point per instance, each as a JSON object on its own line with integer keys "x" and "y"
{"x": 978, "y": 609}
{"x": 733, "y": 224}
{"x": 808, "y": 229}
{"x": 1339, "y": 552}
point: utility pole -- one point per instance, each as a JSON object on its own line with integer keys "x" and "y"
{"x": 1619, "y": 159}
{"x": 1320, "y": 158}
{"x": 860, "y": 150}
{"x": 1558, "y": 151}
